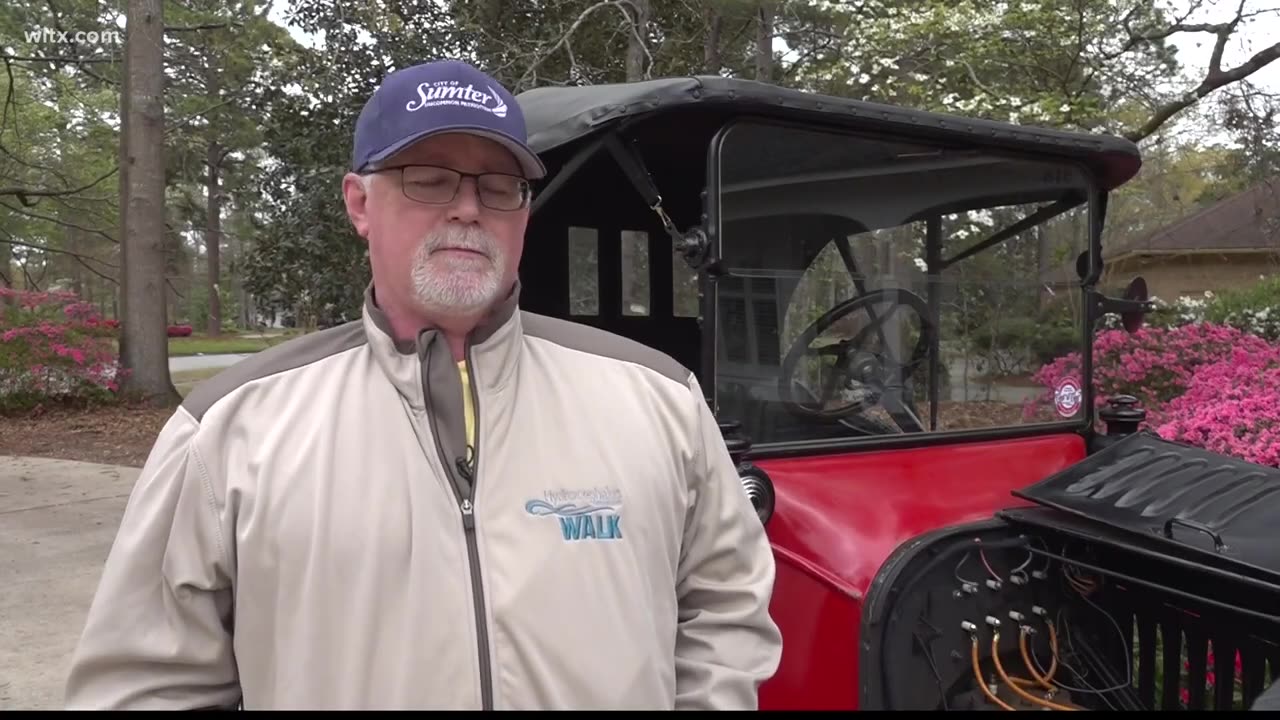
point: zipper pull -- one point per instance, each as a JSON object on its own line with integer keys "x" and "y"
{"x": 468, "y": 515}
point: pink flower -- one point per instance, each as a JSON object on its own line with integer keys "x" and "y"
{"x": 1208, "y": 385}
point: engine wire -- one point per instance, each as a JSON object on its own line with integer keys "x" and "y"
{"x": 1092, "y": 586}
{"x": 987, "y": 565}
{"x": 937, "y": 676}
{"x": 959, "y": 565}
{"x": 1045, "y": 679}
{"x": 1084, "y": 586}
{"x": 977, "y": 676}
{"x": 982, "y": 555}
{"x": 995, "y": 659}
{"x": 1021, "y": 570}
{"x": 1081, "y": 676}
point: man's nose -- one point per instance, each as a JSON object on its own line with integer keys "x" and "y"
{"x": 466, "y": 202}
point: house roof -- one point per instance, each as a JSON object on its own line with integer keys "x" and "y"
{"x": 1249, "y": 220}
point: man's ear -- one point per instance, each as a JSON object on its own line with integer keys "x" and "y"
{"x": 356, "y": 196}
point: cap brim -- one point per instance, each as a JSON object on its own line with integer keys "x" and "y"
{"x": 530, "y": 164}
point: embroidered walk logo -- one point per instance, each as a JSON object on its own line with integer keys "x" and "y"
{"x": 449, "y": 92}
{"x": 590, "y": 514}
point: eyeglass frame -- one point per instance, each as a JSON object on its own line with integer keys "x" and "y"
{"x": 526, "y": 185}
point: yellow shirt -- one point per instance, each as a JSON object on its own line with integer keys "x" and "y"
{"x": 468, "y": 408}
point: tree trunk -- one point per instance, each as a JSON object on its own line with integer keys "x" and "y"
{"x": 213, "y": 205}
{"x": 636, "y": 55}
{"x": 764, "y": 42}
{"x": 235, "y": 245}
{"x": 711, "y": 61}
{"x": 145, "y": 352}
{"x": 76, "y": 243}
{"x": 213, "y": 239}
{"x": 6, "y": 271}
{"x": 120, "y": 301}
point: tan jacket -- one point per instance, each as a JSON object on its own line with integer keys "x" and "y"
{"x": 309, "y": 532}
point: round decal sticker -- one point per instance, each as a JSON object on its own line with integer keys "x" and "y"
{"x": 1067, "y": 397}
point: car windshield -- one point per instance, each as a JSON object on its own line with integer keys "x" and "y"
{"x": 829, "y": 323}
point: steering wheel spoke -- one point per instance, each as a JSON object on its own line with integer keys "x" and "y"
{"x": 836, "y": 350}
{"x": 837, "y": 378}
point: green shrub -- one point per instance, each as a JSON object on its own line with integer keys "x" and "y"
{"x": 1254, "y": 309}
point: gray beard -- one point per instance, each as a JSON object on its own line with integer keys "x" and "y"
{"x": 470, "y": 287}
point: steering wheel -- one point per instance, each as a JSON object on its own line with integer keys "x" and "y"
{"x": 880, "y": 376}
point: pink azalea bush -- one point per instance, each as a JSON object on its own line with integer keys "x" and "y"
{"x": 1231, "y": 407}
{"x": 1154, "y": 364}
{"x": 54, "y": 347}
{"x": 1205, "y": 384}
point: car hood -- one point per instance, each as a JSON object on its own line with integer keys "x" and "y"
{"x": 1182, "y": 500}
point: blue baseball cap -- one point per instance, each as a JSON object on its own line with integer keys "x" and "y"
{"x": 438, "y": 97}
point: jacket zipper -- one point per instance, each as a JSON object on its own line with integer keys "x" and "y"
{"x": 465, "y": 493}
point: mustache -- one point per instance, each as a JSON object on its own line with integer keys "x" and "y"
{"x": 460, "y": 237}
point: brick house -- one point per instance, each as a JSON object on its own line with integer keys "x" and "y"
{"x": 1224, "y": 245}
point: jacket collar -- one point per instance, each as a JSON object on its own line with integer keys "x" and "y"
{"x": 493, "y": 347}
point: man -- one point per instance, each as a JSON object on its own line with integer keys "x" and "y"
{"x": 449, "y": 503}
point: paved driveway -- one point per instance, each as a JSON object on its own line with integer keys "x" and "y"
{"x": 184, "y": 363}
{"x": 57, "y": 522}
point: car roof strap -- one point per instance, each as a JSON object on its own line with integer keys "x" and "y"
{"x": 692, "y": 245}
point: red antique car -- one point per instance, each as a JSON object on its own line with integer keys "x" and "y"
{"x": 871, "y": 293}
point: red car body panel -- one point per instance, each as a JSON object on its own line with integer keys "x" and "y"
{"x": 837, "y": 519}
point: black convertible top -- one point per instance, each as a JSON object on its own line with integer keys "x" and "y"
{"x": 557, "y": 116}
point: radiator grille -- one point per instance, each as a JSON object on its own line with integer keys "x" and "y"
{"x": 1182, "y": 664}
{"x": 1196, "y": 636}
{"x": 1183, "y": 657}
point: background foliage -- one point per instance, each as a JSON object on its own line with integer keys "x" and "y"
{"x": 258, "y": 101}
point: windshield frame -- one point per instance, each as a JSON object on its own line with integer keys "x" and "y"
{"x": 1093, "y": 205}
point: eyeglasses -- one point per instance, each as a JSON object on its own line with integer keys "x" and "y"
{"x": 434, "y": 185}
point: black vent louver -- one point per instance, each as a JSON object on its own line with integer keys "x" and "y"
{"x": 1191, "y": 503}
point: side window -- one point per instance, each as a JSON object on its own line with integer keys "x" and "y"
{"x": 584, "y": 271}
{"x": 584, "y": 276}
{"x": 635, "y": 272}
{"x": 684, "y": 289}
